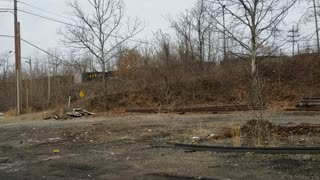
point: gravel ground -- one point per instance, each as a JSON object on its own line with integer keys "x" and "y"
{"x": 135, "y": 146}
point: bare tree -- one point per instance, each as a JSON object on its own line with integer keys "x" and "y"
{"x": 4, "y": 65}
{"x": 53, "y": 62}
{"x": 182, "y": 28}
{"x": 164, "y": 50}
{"x": 98, "y": 31}
{"x": 202, "y": 27}
{"x": 256, "y": 22}
{"x": 195, "y": 30}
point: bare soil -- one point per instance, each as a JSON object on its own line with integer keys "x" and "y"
{"x": 134, "y": 146}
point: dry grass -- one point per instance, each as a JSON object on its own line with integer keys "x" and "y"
{"x": 10, "y": 113}
{"x": 236, "y": 135}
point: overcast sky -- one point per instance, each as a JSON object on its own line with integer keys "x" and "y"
{"x": 44, "y": 33}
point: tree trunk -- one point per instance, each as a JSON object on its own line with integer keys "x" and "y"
{"x": 104, "y": 79}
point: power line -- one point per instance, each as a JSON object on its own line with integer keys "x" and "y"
{"x": 69, "y": 24}
{"x": 37, "y": 47}
{"x": 294, "y": 34}
{"x": 44, "y": 10}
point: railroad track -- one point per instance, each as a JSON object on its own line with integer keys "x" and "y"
{"x": 194, "y": 109}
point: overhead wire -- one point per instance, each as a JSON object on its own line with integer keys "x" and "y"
{"x": 77, "y": 26}
{"x": 69, "y": 24}
{"x": 39, "y": 48}
{"x": 44, "y": 10}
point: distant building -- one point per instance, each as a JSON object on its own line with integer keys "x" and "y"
{"x": 92, "y": 77}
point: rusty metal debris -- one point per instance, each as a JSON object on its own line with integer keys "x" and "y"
{"x": 307, "y": 104}
{"x": 212, "y": 109}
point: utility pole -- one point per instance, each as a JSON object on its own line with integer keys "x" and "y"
{"x": 224, "y": 34}
{"x": 20, "y": 65}
{"x": 29, "y": 61}
{"x": 294, "y": 35}
{"x": 316, "y": 21}
{"x": 49, "y": 87}
{"x": 17, "y": 56}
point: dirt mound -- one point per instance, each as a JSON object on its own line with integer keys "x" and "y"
{"x": 252, "y": 127}
{"x": 258, "y": 132}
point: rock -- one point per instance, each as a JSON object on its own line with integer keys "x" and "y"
{"x": 46, "y": 116}
{"x": 54, "y": 139}
{"x": 195, "y": 138}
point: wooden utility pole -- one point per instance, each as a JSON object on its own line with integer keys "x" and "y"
{"x": 29, "y": 61}
{"x": 224, "y": 34}
{"x": 49, "y": 88}
{"x": 317, "y": 27}
{"x": 17, "y": 57}
{"x": 20, "y": 66}
{"x": 294, "y": 35}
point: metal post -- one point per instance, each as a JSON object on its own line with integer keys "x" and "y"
{"x": 316, "y": 21}
{"x": 69, "y": 102}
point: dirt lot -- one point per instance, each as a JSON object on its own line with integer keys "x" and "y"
{"x": 134, "y": 146}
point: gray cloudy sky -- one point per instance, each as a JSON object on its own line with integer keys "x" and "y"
{"x": 153, "y": 12}
{"x": 44, "y": 33}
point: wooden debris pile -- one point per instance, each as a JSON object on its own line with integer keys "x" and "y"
{"x": 78, "y": 112}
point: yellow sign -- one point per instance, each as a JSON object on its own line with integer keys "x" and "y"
{"x": 81, "y": 94}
